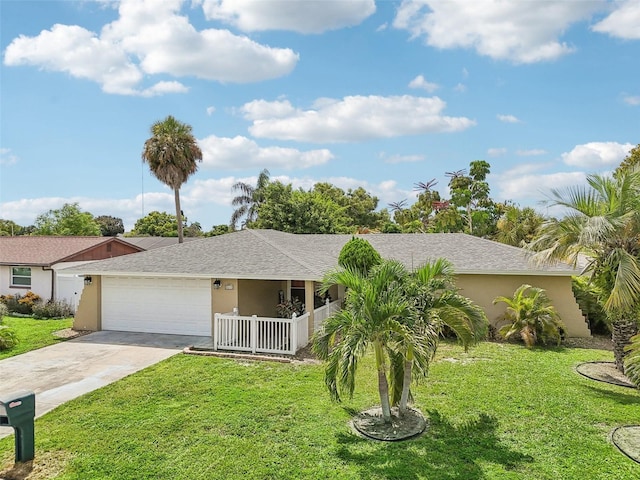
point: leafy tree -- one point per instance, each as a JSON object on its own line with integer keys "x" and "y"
{"x": 471, "y": 192}
{"x": 358, "y": 255}
{"x": 299, "y": 211}
{"x": 248, "y": 201}
{"x": 218, "y": 230}
{"x": 193, "y": 230}
{"x": 9, "y": 228}
{"x": 110, "y": 226}
{"x": 172, "y": 153}
{"x": 530, "y": 314}
{"x": 156, "y": 224}
{"x": 602, "y": 226}
{"x": 68, "y": 220}
{"x": 630, "y": 163}
{"x": 517, "y": 226}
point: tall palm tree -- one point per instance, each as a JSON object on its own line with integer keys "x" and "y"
{"x": 172, "y": 153}
{"x": 434, "y": 304}
{"x": 372, "y": 315}
{"x": 249, "y": 199}
{"x": 603, "y": 226}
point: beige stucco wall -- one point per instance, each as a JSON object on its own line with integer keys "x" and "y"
{"x": 89, "y": 311}
{"x": 225, "y": 298}
{"x": 482, "y": 289}
{"x": 259, "y": 297}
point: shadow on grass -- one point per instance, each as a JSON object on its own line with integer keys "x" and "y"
{"x": 618, "y": 397}
{"x": 444, "y": 451}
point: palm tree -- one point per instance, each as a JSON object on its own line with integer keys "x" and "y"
{"x": 435, "y": 304}
{"x": 172, "y": 153}
{"x": 372, "y": 315}
{"x": 530, "y": 314}
{"x": 602, "y": 226}
{"x": 249, "y": 200}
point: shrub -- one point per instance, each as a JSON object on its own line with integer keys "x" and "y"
{"x": 4, "y": 311}
{"x": 358, "y": 254}
{"x": 530, "y": 315}
{"x": 21, "y": 304}
{"x": 53, "y": 309}
{"x": 8, "y": 338}
{"x": 287, "y": 308}
{"x": 588, "y": 298}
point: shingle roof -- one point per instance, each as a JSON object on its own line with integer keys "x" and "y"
{"x": 269, "y": 254}
{"x": 44, "y": 250}
{"x": 149, "y": 243}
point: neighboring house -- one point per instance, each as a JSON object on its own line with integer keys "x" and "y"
{"x": 149, "y": 243}
{"x": 34, "y": 263}
{"x": 179, "y": 288}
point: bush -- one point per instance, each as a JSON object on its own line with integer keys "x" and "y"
{"x": 8, "y": 338}
{"x": 287, "y": 308}
{"x": 4, "y": 311}
{"x": 53, "y": 309}
{"x": 530, "y": 315}
{"x": 588, "y": 298}
{"x": 358, "y": 254}
{"x": 21, "y": 304}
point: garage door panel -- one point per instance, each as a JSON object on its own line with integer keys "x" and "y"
{"x": 157, "y": 305}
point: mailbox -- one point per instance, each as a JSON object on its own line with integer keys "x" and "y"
{"x": 18, "y": 410}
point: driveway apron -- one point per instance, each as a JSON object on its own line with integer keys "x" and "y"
{"x": 66, "y": 370}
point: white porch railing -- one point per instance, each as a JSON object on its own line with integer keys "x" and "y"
{"x": 260, "y": 334}
{"x": 320, "y": 314}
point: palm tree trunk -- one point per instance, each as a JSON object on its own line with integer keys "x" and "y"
{"x": 621, "y": 333}
{"x": 176, "y": 193}
{"x": 383, "y": 384}
{"x": 406, "y": 383}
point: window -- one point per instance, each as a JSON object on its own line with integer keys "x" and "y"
{"x": 20, "y": 277}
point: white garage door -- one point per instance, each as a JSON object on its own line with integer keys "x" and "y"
{"x": 157, "y": 305}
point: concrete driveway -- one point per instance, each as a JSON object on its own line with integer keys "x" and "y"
{"x": 64, "y": 371}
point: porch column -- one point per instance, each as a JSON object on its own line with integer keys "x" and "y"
{"x": 309, "y": 297}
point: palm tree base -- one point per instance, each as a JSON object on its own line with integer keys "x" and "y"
{"x": 621, "y": 333}
{"x": 371, "y": 425}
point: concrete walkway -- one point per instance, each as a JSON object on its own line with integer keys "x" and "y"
{"x": 66, "y": 370}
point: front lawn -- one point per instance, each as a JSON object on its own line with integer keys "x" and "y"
{"x": 33, "y": 334}
{"x": 498, "y": 412}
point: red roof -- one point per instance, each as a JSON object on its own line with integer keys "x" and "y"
{"x": 46, "y": 251}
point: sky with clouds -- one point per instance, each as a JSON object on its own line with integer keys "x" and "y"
{"x": 381, "y": 95}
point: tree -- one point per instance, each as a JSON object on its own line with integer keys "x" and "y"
{"x": 372, "y": 313}
{"x": 110, "y": 226}
{"x": 249, "y": 199}
{"x": 172, "y": 153}
{"x": 530, "y": 314}
{"x": 630, "y": 163}
{"x": 68, "y": 220}
{"x": 358, "y": 254}
{"x": 471, "y": 192}
{"x": 602, "y": 226}
{"x": 156, "y": 224}
{"x": 434, "y": 304}
{"x": 9, "y": 228}
{"x": 517, "y": 226}
{"x": 218, "y": 230}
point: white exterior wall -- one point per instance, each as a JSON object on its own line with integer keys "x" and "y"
{"x": 40, "y": 282}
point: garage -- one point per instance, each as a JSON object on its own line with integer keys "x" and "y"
{"x": 157, "y": 305}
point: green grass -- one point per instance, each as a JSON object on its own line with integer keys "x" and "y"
{"x": 498, "y": 412}
{"x": 33, "y": 334}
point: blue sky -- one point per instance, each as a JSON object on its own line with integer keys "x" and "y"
{"x": 354, "y": 92}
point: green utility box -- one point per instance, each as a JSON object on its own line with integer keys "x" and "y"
{"x": 18, "y": 410}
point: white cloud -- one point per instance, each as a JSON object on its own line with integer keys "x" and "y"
{"x": 242, "y": 152}
{"x": 460, "y": 88}
{"x": 523, "y": 186}
{"x": 496, "y": 152}
{"x": 309, "y": 16}
{"x": 354, "y": 118}
{"x": 597, "y": 155}
{"x": 211, "y": 110}
{"x": 531, "y": 153}
{"x": 149, "y": 38}
{"x": 508, "y": 118}
{"x": 631, "y": 100}
{"x": 393, "y": 159}
{"x": 623, "y": 22}
{"x": 7, "y": 158}
{"x": 422, "y": 83}
{"x": 521, "y": 32}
